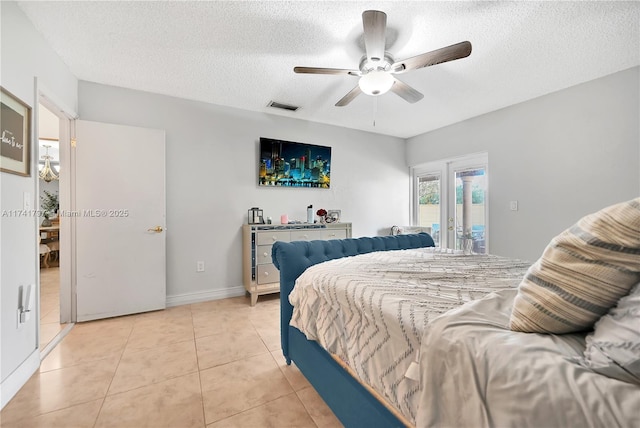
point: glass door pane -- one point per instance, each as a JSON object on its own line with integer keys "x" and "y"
{"x": 469, "y": 222}
{"x": 449, "y": 197}
{"x": 429, "y": 204}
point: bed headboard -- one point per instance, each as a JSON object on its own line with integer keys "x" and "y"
{"x": 293, "y": 258}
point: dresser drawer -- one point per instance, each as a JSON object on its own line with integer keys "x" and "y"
{"x": 263, "y": 254}
{"x": 334, "y": 234}
{"x": 267, "y": 273}
{"x": 271, "y": 236}
{"x": 307, "y": 235}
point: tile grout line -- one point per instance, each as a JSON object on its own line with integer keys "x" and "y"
{"x": 305, "y": 406}
{"x": 269, "y": 352}
{"x": 255, "y": 323}
{"x": 264, "y": 404}
{"x": 195, "y": 343}
{"x": 146, "y": 350}
{"x": 55, "y": 341}
{"x": 70, "y": 327}
{"x": 114, "y": 375}
{"x": 296, "y": 393}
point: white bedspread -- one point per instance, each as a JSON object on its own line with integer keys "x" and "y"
{"x": 478, "y": 373}
{"x": 371, "y": 310}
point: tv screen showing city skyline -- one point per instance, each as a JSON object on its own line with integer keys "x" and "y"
{"x": 292, "y": 164}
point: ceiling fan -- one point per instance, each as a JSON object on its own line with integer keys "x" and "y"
{"x": 377, "y": 67}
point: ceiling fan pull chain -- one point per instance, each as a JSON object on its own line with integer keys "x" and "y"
{"x": 375, "y": 109}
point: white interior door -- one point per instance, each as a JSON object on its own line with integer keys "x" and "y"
{"x": 120, "y": 208}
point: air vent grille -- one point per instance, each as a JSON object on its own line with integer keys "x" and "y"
{"x": 282, "y": 106}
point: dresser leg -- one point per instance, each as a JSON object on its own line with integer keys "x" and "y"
{"x": 254, "y": 299}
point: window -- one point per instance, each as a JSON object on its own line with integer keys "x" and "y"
{"x": 429, "y": 204}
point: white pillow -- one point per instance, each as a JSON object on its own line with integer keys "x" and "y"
{"x": 613, "y": 348}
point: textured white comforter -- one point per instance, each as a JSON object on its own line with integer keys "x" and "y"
{"x": 478, "y": 373}
{"x": 371, "y": 310}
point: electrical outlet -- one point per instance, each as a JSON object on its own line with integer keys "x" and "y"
{"x": 200, "y": 266}
{"x": 513, "y": 205}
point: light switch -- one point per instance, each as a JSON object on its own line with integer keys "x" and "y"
{"x": 26, "y": 201}
{"x": 200, "y": 266}
{"x": 513, "y": 205}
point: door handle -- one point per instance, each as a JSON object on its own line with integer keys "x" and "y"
{"x": 156, "y": 229}
{"x": 450, "y": 227}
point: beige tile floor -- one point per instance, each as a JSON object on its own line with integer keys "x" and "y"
{"x": 49, "y": 304}
{"x": 213, "y": 364}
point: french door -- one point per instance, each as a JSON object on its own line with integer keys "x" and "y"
{"x": 450, "y": 196}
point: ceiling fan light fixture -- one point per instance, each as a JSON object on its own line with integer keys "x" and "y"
{"x": 376, "y": 82}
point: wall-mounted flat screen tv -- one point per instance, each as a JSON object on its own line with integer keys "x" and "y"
{"x": 291, "y": 164}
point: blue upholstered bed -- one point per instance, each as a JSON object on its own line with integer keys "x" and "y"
{"x": 472, "y": 368}
{"x": 348, "y": 399}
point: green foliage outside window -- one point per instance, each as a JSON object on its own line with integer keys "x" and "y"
{"x": 477, "y": 194}
{"x": 430, "y": 193}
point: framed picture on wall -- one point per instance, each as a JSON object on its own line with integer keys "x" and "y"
{"x": 293, "y": 164}
{"x": 333, "y": 216}
{"x": 15, "y": 129}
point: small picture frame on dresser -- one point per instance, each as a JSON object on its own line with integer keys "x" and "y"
{"x": 333, "y": 216}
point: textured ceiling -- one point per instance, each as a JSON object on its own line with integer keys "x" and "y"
{"x": 242, "y": 53}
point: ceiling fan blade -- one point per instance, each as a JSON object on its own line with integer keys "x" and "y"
{"x": 320, "y": 70}
{"x": 375, "y": 29}
{"x": 349, "y": 97}
{"x": 449, "y": 53}
{"x": 406, "y": 92}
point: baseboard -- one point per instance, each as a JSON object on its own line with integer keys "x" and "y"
{"x": 204, "y": 296}
{"x": 16, "y": 380}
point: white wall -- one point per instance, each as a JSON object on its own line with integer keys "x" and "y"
{"x": 212, "y": 155}
{"x": 561, "y": 156}
{"x": 25, "y": 55}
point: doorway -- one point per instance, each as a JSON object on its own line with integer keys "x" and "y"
{"x": 449, "y": 196}
{"x": 55, "y": 297}
{"x": 49, "y": 224}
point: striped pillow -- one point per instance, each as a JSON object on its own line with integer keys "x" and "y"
{"x": 582, "y": 273}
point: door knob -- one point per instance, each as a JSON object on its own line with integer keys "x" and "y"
{"x": 450, "y": 227}
{"x": 156, "y": 229}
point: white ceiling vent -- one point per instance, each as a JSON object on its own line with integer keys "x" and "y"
{"x": 282, "y": 106}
